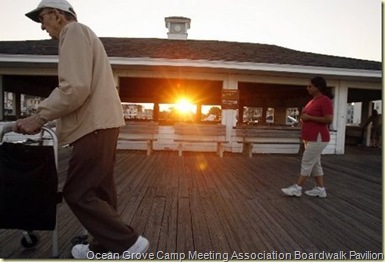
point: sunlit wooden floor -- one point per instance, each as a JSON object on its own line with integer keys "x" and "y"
{"x": 211, "y": 205}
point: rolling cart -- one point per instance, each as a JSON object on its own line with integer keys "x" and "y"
{"x": 29, "y": 186}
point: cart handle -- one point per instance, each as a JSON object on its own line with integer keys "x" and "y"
{"x": 11, "y": 127}
{"x": 7, "y": 128}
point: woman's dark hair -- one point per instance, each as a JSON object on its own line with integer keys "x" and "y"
{"x": 320, "y": 84}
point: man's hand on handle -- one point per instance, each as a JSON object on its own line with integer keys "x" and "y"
{"x": 30, "y": 125}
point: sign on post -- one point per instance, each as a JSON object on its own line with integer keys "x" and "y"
{"x": 230, "y": 99}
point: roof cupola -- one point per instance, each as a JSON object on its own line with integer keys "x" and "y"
{"x": 177, "y": 27}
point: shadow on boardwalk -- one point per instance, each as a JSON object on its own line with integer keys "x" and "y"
{"x": 217, "y": 206}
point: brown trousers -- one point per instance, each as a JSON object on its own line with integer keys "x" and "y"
{"x": 90, "y": 191}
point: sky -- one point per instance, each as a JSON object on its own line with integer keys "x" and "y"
{"x": 346, "y": 28}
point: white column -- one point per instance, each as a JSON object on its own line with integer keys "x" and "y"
{"x": 339, "y": 121}
{"x": 116, "y": 80}
{"x": 1, "y": 98}
{"x": 229, "y": 115}
{"x": 368, "y": 137}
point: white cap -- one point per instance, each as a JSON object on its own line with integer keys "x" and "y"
{"x": 56, "y": 4}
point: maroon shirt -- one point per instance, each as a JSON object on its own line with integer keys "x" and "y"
{"x": 319, "y": 106}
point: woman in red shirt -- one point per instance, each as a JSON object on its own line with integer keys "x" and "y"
{"x": 315, "y": 118}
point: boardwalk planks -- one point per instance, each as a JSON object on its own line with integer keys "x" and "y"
{"x": 203, "y": 203}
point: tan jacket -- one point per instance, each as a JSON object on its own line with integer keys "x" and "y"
{"x": 86, "y": 98}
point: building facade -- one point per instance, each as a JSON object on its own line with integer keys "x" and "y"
{"x": 269, "y": 83}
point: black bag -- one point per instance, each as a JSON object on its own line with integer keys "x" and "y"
{"x": 28, "y": 187}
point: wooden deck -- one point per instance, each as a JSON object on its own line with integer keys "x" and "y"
{"x": 217, "y": 206}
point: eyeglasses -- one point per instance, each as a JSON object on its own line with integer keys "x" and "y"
{"x": 41, "y": 17}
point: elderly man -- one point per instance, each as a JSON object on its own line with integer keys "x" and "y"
{"x": 89, "y": 113}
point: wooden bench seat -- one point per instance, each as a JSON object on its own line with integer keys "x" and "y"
{"x": 200, "y": 133}
{"x": 140, "y": 131}
{"x": 354, "y": 135}
{"x": 250, "y": 135}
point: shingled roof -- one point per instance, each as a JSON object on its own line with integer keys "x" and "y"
{"x": 198, "y": 50}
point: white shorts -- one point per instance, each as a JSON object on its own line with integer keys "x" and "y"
{"x": 311, "y": 159}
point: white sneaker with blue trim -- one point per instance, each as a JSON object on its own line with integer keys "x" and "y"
{"x": 317, "y": 192}
{"x": 294, "y": 190}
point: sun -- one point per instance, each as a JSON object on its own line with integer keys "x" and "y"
{"x": 184, "y": 105}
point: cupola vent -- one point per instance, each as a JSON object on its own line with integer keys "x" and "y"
{"x": 177, "y": 27}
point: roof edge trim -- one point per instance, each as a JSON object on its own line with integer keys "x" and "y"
{"x": 247, "y": 66}
{"x": 234, "y": 65}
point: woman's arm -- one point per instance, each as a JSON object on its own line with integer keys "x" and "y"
{"x": 327, "y": 119}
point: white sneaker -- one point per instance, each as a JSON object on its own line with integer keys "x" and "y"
{"x": 294, "y": 190}
{"x": 80, "y": 251}
{"x": 317, "y": 192}
{"x": 141, "y": 246}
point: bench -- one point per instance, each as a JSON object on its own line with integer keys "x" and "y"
{"x": 250, "y": 135}
{"x": 140, "y": 131}
{"x": 354, "y": 135}
{"x": 200, "y": 133}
